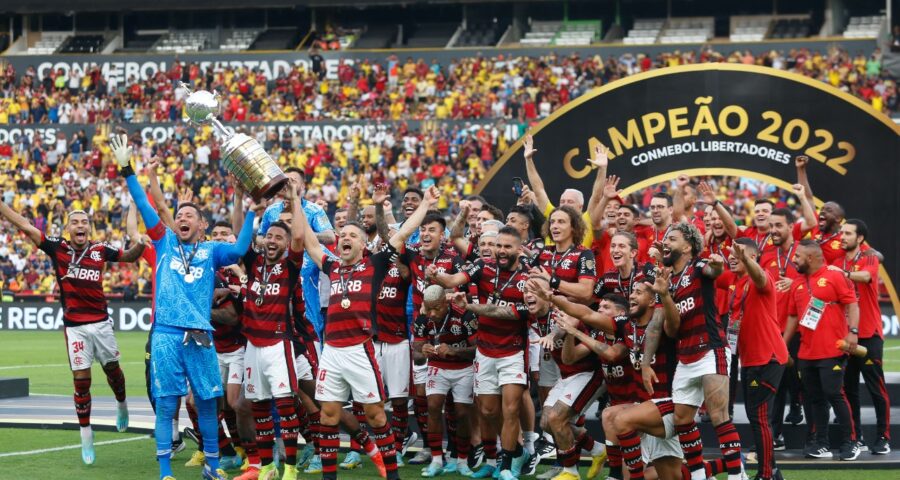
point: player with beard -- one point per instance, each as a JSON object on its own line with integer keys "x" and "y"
{"x": 267, "y": 323}
{"x": 181, "y": 337}
{"x": 862, "y": 270}
{"x": 500, "y": 367}
{"x": 753, "y": 332}
{"x": 824, "y": 309}
{"x": 78, "y": 264}
{"x": 581, "y": 380}
{"x": 626, "y": 271}
{"x": 703, "y": 357}
{"x": 566, "y": 265}
{"x": 445, "y": 335}
{"x": 661, "y": 217}
{"x": 778, "y": 262}
{"x": 759, "y": 232}
{"x": 431, "y": 251}
{"x": 646, "y": 428}
{"x": 348, "y": 366}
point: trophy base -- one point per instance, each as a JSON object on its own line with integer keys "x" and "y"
{"x": 270, "y": 189}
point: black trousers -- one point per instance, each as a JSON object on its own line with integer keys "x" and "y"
{"x": 824, "y": 383}
{"x": 760, "y": 385}
{"x": 733, "y": 371}
{"x": 790, "y": 387}
{"x": 873, "y": 374}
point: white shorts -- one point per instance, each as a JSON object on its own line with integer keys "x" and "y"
{"x": 231, "y": 366}
{"x": 534, "y": 352}
{"x": 270, "y": 371}
{"x": 349, "y": 371}
{"x": 687, "y": 385}
{"x": 394, "y": 360}
{"x": 420, "y": 374}
{"x": 460, "y": 382}
{"x": 549, "y": 371}
{"x": 86, "y": 342}
{"x": 492, "y": 373}
{"x": 303, "y": 368}
{"x": 654, "y": 448}
{"x": 576, "y": 391}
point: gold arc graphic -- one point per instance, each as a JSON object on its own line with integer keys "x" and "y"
{"x": 858, "y": 103}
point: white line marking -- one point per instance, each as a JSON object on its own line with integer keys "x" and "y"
{"x": 72, "y": 447}
{"x": 53, "y": 365}
{"x": 893, "y": 348}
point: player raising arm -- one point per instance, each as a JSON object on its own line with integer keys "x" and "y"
{"x": 181, "y": 349}
{"x": 78, "y": 264}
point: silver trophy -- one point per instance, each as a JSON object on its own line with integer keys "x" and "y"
{"x": 242, "y": 155}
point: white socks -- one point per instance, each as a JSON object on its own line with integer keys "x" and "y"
{"x": 175, "y": 434}
{"x": 87, "y": 434}
{"x": 530, "y": 438}
{"x": 598, "y": 449}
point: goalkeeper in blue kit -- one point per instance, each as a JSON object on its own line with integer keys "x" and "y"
{"x": 181, "y": 346}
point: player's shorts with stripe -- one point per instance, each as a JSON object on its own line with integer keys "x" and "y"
{"x": 420, "y": 374}
{"x": 231, "y": 367}
{"x": 576, "y": 391}
{"x": 172, "y": 362}
{"x": 492, "y": 373}
{"x": 85, "y": 343}
{"x": 654, "y": 448}
{"x": 549, "y": 370}
{"x": 687, "y": 384}
{"x": 270, "y": 371}
{"x": 394, "y": 360}
{"x": 349, "y": 371}
{"x": 460, "y": 382}
{"x": 304, "y": 369}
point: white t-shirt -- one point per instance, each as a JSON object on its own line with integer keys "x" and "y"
{"x": 202, "y": 155}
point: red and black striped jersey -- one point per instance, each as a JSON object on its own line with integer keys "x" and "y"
{"x": 80, "y": 278}
{"x": 390, "y": 310}
{"x": 447, "y": 261}
{"x": 500, "y": 338}
{"x": 574, "y": 264}
{"x": 589, "y": 363}
{"x": 303, "y": 328}
{"x": 270, "y": 321}
{"x": 354, "y": 289}
{"x": 619, "y": 375}
{"x": 694, "y": 295}
{"x": 457, "y": 330}
{"x": 663, "y": 362}
{"x": 228, "y": 338}
{"x": 614, "y": 282}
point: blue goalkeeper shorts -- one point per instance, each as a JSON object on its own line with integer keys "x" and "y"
{"x": 174, "y": 364}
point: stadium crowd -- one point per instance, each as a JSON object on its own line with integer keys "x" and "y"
{"x": 475, "y": 87}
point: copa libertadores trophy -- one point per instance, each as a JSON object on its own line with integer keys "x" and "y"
{"x": 242, "y": 155}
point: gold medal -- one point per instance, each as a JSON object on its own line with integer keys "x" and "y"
{"x": 259, "y": 301}
{"x": 345, "y": 303}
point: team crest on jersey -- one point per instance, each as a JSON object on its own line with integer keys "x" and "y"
{"x": 685, "y": 281}
{"x": 835, "y": 244}
{"x": 456, "y": 330}
{"x": 276, "y": 270}
{"x": 202, "y": 254}
{"x": 359, "y": 267}
{"x": 521, "y": 285}
{"x": 566, "y": 264}
{"x": 95, "y": 256}
{"x": 394, "y": 272}
{"x": 822, "y": 282}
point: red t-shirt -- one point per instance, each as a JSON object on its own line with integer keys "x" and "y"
{"x": 830, "y": 243}
{"x": 390, "y": 310}
{"x": 760, "y": 339}
{"x": 779, "y": 264}
{"x": 270, "y": 323}
{"x": 866, "y": 293}
{"x": 830, "y": 287}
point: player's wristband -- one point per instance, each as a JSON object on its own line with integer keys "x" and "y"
{"x": 126, "y": 171}
{"x": 554, "y": 283}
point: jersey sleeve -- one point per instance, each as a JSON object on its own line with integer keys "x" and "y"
{"x": 50, "y": 244}
{"x": 456, "y": 264}
{"x": 870, "y": 264}
{"x": 792, "y": 300}
{"x": 470, "y": 323}
{"x": 520, "y": 310}
{"x": 248, "y": 260}
{"x": 473, "y": 270}
{"x": 110, "y": 253}
{"x": 587, "y": 267}
{"x": 318, "y": 220}
{"x": 327, "y": 264}
{"x": 294, "y": 257}
{"x": 844, "y": 291}
{"x": 421, "y": 331}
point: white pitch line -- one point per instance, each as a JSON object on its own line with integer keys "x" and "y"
{"x": 72, "y": 447}
{"x": 53, "y": 365}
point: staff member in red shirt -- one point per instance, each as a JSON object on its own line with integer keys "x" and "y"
{"x": 754, "y": 332}
{"x": 823, "y": 303}
{"x": 862, "y": 270}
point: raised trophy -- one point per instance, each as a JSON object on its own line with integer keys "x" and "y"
{"x": 242, "y": 155}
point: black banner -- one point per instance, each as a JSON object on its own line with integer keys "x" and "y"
{"x": 33, "y": 315}
{"x": 724, "y": 119}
